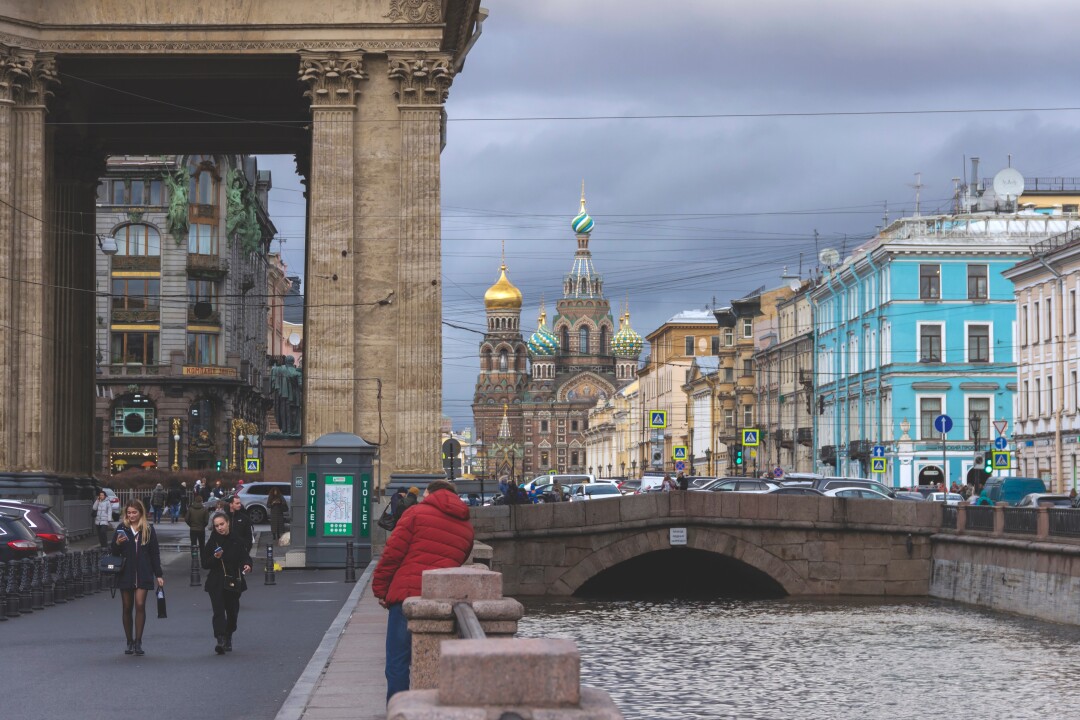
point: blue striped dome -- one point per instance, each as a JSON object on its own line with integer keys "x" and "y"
{"x": 543, "y": 342}
{"x": 627, "y": 343}
{"x": 582, "y": 223}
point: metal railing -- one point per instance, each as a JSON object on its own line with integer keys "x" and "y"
{"x": 1021, "y": 521}
{"x": 1064, "y": 522}
{"x": 980, "y": 517}
{"x": 468, "y": 625}
{"x": 948, "y": 516}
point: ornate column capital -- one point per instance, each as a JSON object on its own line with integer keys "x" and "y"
{"x": 423, "y": 78}
{"x": 332, "y": 78}
{"x": 27, "y": 76}
{"x": 16, "y": 65}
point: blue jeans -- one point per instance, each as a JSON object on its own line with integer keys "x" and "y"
{"x": 398, "y": 651}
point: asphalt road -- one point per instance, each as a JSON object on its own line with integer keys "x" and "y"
{"x": 67, "y": 661}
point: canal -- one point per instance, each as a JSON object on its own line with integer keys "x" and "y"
{"x": 669, "y": 654}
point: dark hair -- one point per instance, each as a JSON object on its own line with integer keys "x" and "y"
{"x": 441, "y": 485}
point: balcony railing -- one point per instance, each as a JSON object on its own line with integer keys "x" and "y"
{"x": 137, "y": 263}
{"x": 127, "y": 317}
{"x": 207, "y": 265}
{"x": 805, "y": 436}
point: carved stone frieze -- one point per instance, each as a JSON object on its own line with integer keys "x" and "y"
{"x": 332, "y": 78}
{"x": 206, "y": 46}
{"x": 423, "y": 78}
{"x": 415, "y": 11}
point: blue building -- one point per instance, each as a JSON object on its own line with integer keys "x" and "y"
{"x": 916, "y": 323}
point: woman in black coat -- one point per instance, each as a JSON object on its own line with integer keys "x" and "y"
{"x": 137, "y": 542}
{"x": 224, "y": 555}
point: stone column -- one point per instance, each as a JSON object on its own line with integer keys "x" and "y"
{"x": 33, "y": 289}
{"x": 332, "y": 79}
{"x": 423, "y": 82}
{"x": 13, "y": 67}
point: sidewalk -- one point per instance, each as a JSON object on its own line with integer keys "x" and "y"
{"x": 345, "y": 676}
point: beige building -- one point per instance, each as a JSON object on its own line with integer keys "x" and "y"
{"x": 784, "y": 362}
{"x": 1047, "y": 401}
{"x": 674, "y": 345}
{"x": 610, "y": 431}
{"x": 702, "y": 414}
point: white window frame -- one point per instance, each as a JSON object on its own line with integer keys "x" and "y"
{"x": 919, "y": 397}
{"x": 989, "y": 340}
{"x": 918, "y": 340}
{"x": 983, "y": 432}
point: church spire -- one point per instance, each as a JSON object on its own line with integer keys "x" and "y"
{"x": 583, "y": 280}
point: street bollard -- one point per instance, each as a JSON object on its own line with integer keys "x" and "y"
{"x": 350, "y": 564}
{"x": 37, "y": 596}
{"x": 61, "y": 578}
{"x": 49, "y": 582}
{"x": 88, "y": 571}
{"x": 95, "y": 570}
{"x": 3, "y": 591}
{"x": 76, "y": 572}
{"x": 11, "y": 607}
{"x": 25, "y": 573}
{"x": 69, "y": 576}
{"x": 196, "y": 578}
{"x": 269, "y": 578}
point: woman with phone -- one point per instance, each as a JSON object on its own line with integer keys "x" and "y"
{"x": 136, "y": 541}
{"x": 226, "y": 558}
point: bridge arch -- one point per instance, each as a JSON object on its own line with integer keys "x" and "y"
{"x": 709, "y": 539}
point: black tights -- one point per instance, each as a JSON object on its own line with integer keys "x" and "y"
{"x": 134, "y": 600}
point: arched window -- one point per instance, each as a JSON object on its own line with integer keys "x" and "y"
{"x": 583, "y": 286}
{"x": 487, "y": 360}
{"x": 603, "y": 340}
{"x": 502, "y": 361}
{"x": 583, "y": 341}
{"x": 138, "y": 239}
{"x": 565, "y": 339}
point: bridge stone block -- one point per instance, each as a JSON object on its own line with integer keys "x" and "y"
{"x": 796, "y": 507}
{"x": 534, "y": 517}
{"x": 904, "y": 513}
{"x": 461, "y": 583}
{"x": 601, "y": 512}
{"x": 862, "y": 572}
{"x": 492, "y": 519}
{"x": 568, "y": 514}
{"x": 908, "y": 570}
{"x": 877, "y": 556}
{"x": 638, "y": 507}
{"x": 677, "y": 503}
{"x": 552, "y": 666}
{"x": 547, "y": 553}
{"x": 823, "y": 570}
{"x": 907, "y": 587}
{"x": 870, "y": 512}
{"x": 767, "y": 507}
{"x": 861, "y": 587}
{"x": 730, "y": 504}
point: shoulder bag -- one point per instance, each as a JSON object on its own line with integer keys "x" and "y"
{"x": 386, "y": 520}
{"x": 229, "y": 584}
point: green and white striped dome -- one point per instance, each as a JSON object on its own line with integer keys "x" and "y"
{"x": 627, "y": 343}
{"x": 543, "y": 342}
{"x": 582, "y": 223}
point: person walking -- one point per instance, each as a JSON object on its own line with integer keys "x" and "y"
{"x": 226, "y": 557}
{"x": 136, "y": 541}
{"x": 436, "y": 534}
{"x": 682, "y": 481}
{"x": 172, "y": 500}
{"x": 275, "y": 502}
{"x": 102, "y": 518}
{"x": 667, "y": 485}
{"x": 157, "y": 501}
{"x": 411, "y": 498}
{"x": 395, "y": 500}
{"x": 240, "y": 522}
{"x": 197, "y": 518}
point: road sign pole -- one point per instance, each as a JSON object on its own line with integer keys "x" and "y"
{"x": 944, "y": 468}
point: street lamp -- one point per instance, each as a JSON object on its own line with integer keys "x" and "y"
{"x": 609, "y": 470}
{"x": 176, "y": 444}
{"x": 107, "y": 244}
{"x": 633, "y": 468}
{"x": 623, "y": 466}
{"x": 975, "y": 424}
{"x": 708, "y": 462}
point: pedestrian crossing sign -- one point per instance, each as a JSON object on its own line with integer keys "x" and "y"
{"x": 751, "y": 437}
{"x": 657, "y": 419}
{"x": 251, "y": 465}
{"x": 678, "y": 452}
{"x": 1002, "y": 460}
{"x": 878, "y": 464}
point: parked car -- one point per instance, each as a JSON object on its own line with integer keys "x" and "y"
{"x": 857, "y": 493}
{"x": 253, "y": 497}
{"x": 953, "y": 498}
{"x": 1035, "y": 500}
{"x": 630, "y": 487}
{"x": 746, "y": 485}
{"x": 912, "y": 496}
{"x": 796, "y": 490}
{"x": 832, "y": 483}
{"x": 41, "y": 521}
{"x": 17, "y": 542}
{"x": 114, "y": 501}
{"x": 594, "y": 491}
{"x": 1012, "y": 489}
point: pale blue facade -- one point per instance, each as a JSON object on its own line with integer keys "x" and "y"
{"x": 919, "y": 322}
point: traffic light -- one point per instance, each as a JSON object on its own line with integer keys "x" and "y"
{"x": 988, "y": 464}
{"x": 737, "y": 454}
{"x": 219, "y": 464}
{"x": 809, "y": 404}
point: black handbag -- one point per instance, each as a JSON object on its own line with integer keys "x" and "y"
{"x": 386, "y": 520}
{"x": 230, "y": 583}
{"x": 111, "y": 564}
{"x": 161, "y": 612}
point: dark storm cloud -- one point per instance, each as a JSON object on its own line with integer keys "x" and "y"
{"x": 689, "y": 209}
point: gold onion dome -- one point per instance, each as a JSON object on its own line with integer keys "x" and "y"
{"x": 502, "y": 295}
{"x": 543, "y": 342}
{"x": 626, "y": 342}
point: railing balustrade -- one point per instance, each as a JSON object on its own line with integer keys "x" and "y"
{"x": 1021, "y": 521}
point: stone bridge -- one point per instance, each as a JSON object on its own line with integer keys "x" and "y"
{"x": 803, "y": 545}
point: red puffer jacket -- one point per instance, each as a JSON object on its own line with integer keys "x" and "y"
{"x": 433, "y": 534}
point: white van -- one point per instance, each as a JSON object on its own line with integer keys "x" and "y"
{"x": 540, "y": 483}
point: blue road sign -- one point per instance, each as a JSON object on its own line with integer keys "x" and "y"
{"x": 680, "y": 466}
{"x": 679, "y": 452}
{"x": 1002, "y": 460}
{"x": 943, "y": 424}
{"x": 251, "y": 465}
{"x": 657, "y": 419}
{"x": 878, "y": 464}
{"x": 750, "y": 437}
{"x": 877, "y": 451}
{"x": 1001, "y": 443}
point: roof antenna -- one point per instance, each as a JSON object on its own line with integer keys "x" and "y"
{"x": 918, "y": 191}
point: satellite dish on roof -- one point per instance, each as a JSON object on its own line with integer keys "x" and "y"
{"x": 1009, "y": 183}
{"x": 794, "y": 285}
{"x": 829, "y": 257}
{"x": 294, "y": 339}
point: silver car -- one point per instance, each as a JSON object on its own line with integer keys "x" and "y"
{"x": 253, "y": 498}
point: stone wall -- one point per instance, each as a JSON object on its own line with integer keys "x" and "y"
{"x": 809, "y": 545}
{"x": 1036, "y": 579}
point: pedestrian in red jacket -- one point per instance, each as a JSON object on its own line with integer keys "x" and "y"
{"x": 433, "y": 534}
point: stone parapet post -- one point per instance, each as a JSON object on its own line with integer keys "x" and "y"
{"x": 961, "y": 517}
{"x": 999, "y": 518}
{"x": 1042, "y": 522}
{"x": 431, "y": 616}
{"x": 472, "y": 689}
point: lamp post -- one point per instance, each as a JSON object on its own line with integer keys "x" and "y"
{"x": 633, "y": 468}
{"x": 609, "y": 470}
{"x": 708, "y": 462}
{"x": 176, "y": 444}
{"x": 623, "y": 466}
{"x": 975, "y": 425}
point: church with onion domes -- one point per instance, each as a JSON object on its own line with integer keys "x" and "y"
{"x": 532, "y": 398}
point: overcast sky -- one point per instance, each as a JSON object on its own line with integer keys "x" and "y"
{"x": 692, "y": 209}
